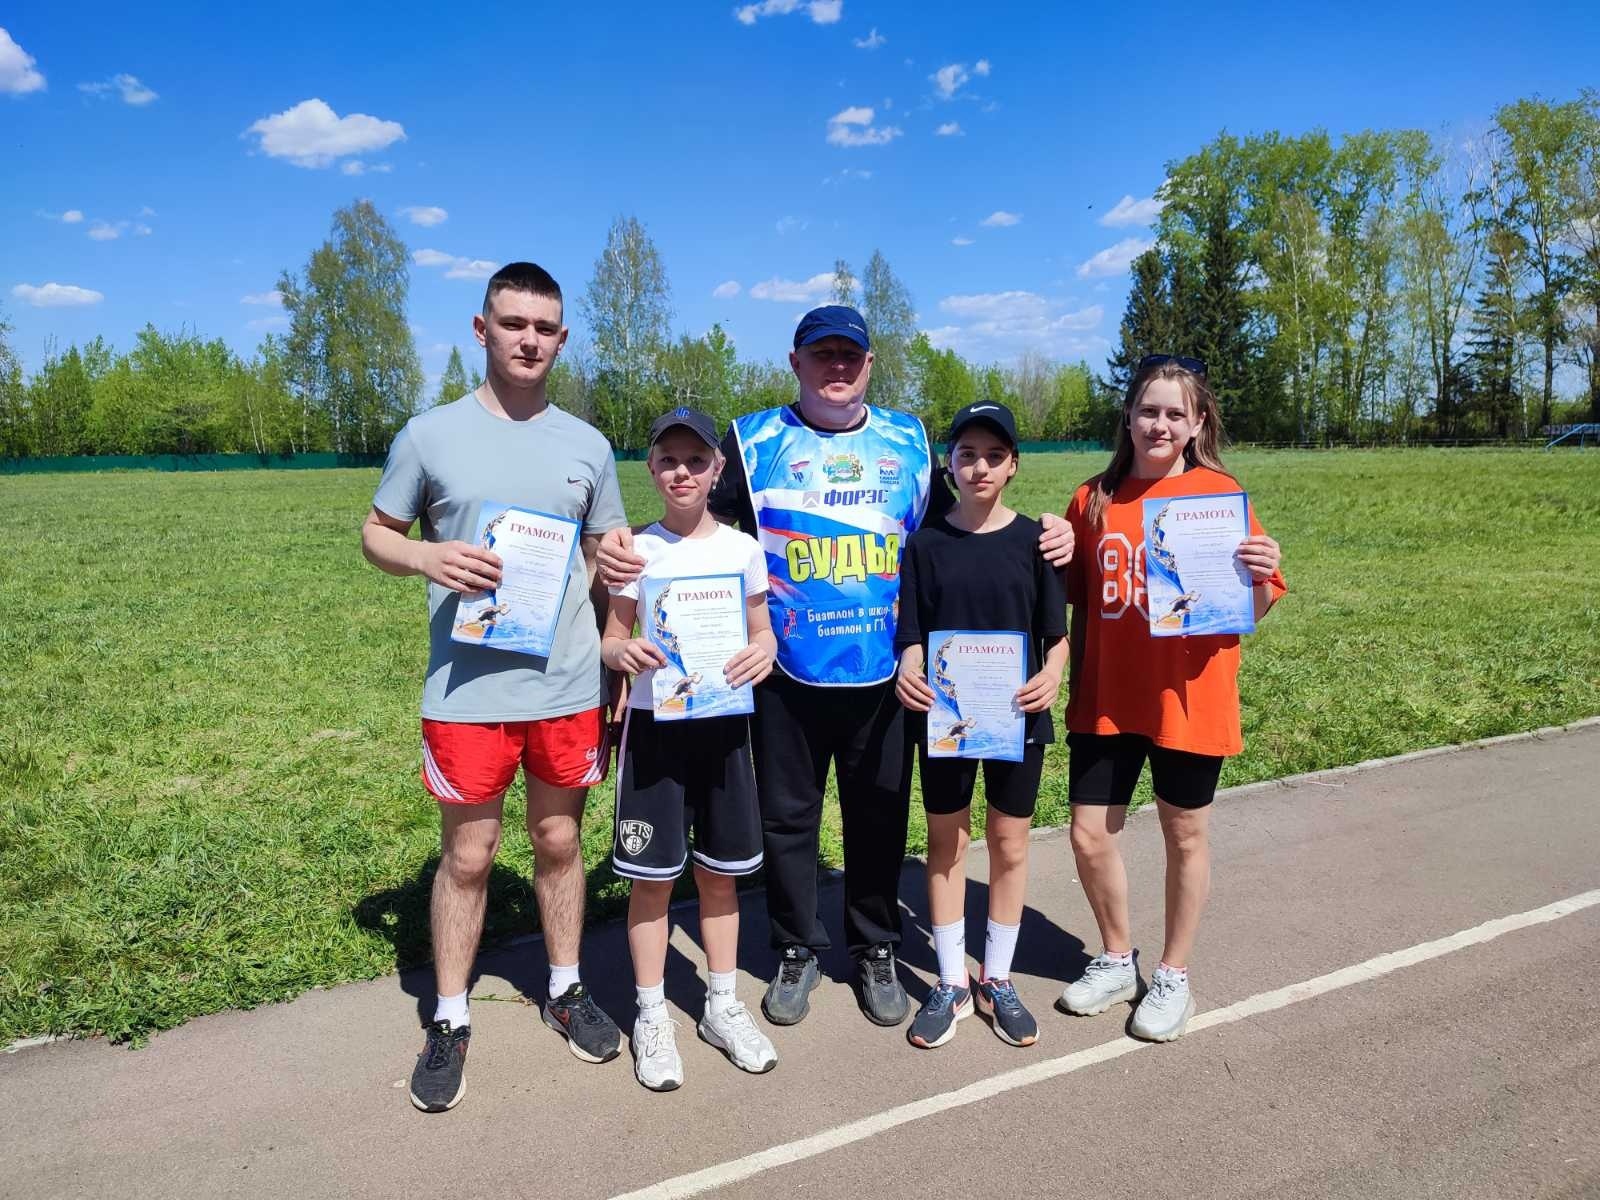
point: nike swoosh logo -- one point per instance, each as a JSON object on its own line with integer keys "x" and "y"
{"x": 984, "y": 408}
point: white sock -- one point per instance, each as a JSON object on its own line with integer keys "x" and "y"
{"x": 561, "y": 978}
{"x": 652, "y": 1003}
{"x": 719, "y": 992}
{"x": 454, "y": 1010}
{"x": 998, "y": 948}
{"x": 950, "y": 944}
{"x": 1123, "y": 958}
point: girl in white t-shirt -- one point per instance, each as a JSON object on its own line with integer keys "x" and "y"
{"x": 676, "y": 774}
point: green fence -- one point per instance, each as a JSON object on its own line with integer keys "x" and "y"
{"x": 186, "y": 462}
{"x": 308, "y": 462}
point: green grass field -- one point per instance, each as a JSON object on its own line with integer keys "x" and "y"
{"x": 208, "y": 733}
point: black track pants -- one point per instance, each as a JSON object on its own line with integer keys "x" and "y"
{"x": 797, "y": 730}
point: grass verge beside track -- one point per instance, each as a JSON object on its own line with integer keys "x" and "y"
{"x": 208, "y": 743}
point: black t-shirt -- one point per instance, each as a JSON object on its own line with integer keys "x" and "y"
{"x": 730, "y": 495}
{"x": 953, "y": 579}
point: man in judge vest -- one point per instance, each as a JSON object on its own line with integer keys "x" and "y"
{"x": 832, "y": 487}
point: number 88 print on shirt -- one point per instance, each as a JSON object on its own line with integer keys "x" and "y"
{"x": 1181, "y": 692}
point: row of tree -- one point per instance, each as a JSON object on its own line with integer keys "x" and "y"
{"x": 345, "y": 374}
{"x": 1391, "y": 286}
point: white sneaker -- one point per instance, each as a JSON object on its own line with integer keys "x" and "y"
{"x": 655, "y": 1055}
{"x": 1164, "y": 1013}
{"x": 734, "y": 1032}
{"x": 1105, "y": 981}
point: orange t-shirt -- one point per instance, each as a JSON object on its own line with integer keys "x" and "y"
{"x": 1181, "y": 692}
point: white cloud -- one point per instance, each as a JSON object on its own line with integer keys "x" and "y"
{"x": 425, "y": 214}
{"x": 853, "y": 127}
{"x": 147, "y": 211}
{"x": 949, "y": 129}
{"x": 1000, "y": 218}
{"x": 872, "y": 41}
{"x": 105, "y": 231}
{"x": 788, "y": 225}
{"x": 961, "y": 240}
{"x": 726, "y": 290}
{"x": 789, "y": 291}
{"x": 127, "y": 86}
{"x": 1114, "y": 260}
{"x": 142, "y": 230}
{"x": 1129, "y": 211}
{"x": 56, "y": 295}
{"x": 456, "y": 267}
{"x": 821, "y": 12}
{"x": 948, "y": 79}
{"x": 356, "y": 167}
{"x": 1010, "y": 322}
{"x": 312, "y": 135}
{"x": 272, "y": 299}
{"x": 17, "y": 73}
{"x": 72, "y": 216}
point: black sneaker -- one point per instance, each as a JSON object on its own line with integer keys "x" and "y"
{"x": 1012, "y": 1022}
{"x": 786, "y": 1001}
{"x": 439, "y": 1081}
{"x": 882, "y": 997}
{"x": 935, "y": 1022}
{"x": 591, "y": 1035}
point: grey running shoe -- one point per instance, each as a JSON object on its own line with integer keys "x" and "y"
{"x": 439, "y": 1080}
{"x": 786, "y": 1001}
{"x": 591, "y": 1035}
{"x": 1164, "y": 1013}
{"x": 935, "y": 1022}
{"x": 655, "y": 1055}
{"x": 1012, "y": 1022}
{"x": 1105, "y": 982}
{"x": 734, "y": 1032}
{"x": 883, "y": 998}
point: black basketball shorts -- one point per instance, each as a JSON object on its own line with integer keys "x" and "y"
{"x": 683, "y": 782}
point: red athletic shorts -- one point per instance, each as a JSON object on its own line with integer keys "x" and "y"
{"x": 475, "y": 763}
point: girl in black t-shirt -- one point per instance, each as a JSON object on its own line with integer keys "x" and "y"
{"x": 979, "y": 568}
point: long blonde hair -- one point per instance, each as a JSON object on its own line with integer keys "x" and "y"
{"x": 1202, "y": 450}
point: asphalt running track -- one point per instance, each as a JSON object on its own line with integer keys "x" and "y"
{"x": 1395, "y": 979}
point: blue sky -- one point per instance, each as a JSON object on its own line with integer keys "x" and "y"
{"x": 756, "y": 144}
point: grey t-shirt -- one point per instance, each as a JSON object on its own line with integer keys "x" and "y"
{"x": 442, "y": 467}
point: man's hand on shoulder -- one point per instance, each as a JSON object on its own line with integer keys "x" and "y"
{"x": 619, "y": 565}
{"x": 1056, "y": 542}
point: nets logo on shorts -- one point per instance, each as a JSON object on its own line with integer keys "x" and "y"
{"x": 634, "y": 835}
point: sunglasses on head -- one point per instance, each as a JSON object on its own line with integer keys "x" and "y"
{"x": 1196, "y": 365}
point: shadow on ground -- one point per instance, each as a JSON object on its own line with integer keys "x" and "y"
{"x": 512, "y": 953}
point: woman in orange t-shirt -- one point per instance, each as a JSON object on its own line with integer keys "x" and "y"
{"x": 1171, "y": 701}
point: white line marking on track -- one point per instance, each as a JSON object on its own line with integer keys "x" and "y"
{"x": 739, "y": 1169}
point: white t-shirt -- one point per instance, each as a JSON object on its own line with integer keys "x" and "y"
{"x": 667, "y": 555}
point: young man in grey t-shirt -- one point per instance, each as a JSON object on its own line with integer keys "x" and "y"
{"x": 487, "y": 711}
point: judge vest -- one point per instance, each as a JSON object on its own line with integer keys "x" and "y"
{"x": 833, "y": 511}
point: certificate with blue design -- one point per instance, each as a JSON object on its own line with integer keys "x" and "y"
{"x": 698, "y": 623}
{"x": 975, "y": 678}
{"x": 521, "y": 614}
{"x": 1193, "y": 582}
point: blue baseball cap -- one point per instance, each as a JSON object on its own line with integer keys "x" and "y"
{"x": 832, "y": 320}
